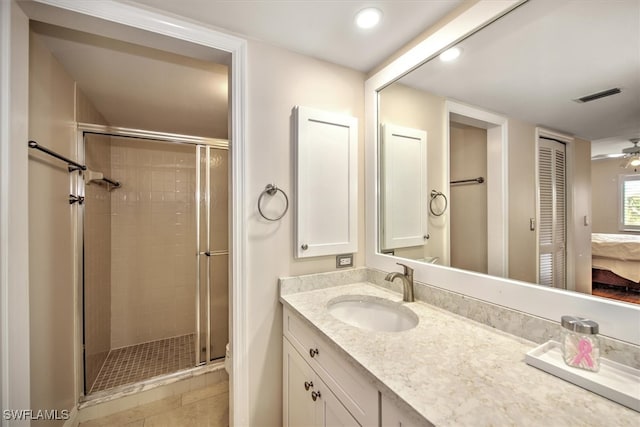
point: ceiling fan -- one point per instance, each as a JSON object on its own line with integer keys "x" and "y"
{"x": 630, "y": 154}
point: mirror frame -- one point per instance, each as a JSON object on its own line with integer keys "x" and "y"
{"x": 617, "y": 320}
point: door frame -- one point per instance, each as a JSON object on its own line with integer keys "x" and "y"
{"x": 79, "y": 188}
{"x": 109, "y": 12}
{"x": 497, "y": 181}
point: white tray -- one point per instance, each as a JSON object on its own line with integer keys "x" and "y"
{"x": 614, "y": 381}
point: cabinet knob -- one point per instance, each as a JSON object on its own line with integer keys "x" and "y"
{"x": 313, "y": 352}
{"x": 315, "y": 395}
{"x": 308, "y": 385}
{"x": 305, "y": 247}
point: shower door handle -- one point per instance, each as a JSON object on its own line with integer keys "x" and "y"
{"x": 205, "y": 253}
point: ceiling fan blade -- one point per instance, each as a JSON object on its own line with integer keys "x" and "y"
{"x": 607, "y": 156}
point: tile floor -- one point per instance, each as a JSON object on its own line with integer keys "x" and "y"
{"x": 205, "y": 407}
{"x": 143, "y": 361}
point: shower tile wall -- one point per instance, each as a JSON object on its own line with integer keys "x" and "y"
{"x": 153, "y": 241}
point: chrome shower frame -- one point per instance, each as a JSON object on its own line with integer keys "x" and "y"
{"x": 202, "y": 145}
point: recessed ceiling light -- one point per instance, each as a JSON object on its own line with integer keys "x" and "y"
{"x": 450, "y": 54}
{"x": 368, "y": 18}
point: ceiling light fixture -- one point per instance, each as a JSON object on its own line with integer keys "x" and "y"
{"x": 368, "y": 18}
{"x": 450, "y": 54}
{"x": 632, "y": 154}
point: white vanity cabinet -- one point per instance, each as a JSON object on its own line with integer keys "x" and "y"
{"x": 391, "y": 415}
{"x": 307, "y": 399}
{"x": 346, "y": 397}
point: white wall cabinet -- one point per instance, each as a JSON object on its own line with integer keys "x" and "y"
{"x": 307, "y": 399}
{"x": 326, "y": 170}
{"x": 404, "y": 198}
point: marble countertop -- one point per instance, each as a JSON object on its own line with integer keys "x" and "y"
{"x": 454, "y": 371}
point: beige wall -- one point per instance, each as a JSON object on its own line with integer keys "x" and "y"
{"x": 408, "y": 107}
{"x": 97, "y": 248}
{"x": 604, "y": 181}
{"x": 468, "y": 202}
{"x": 277, "y": 81}
{"x": 582, "y": 201}
{"x": 403, "y": 106}
{"x": 52, "y": 301}
{"x": 522, "y": 201}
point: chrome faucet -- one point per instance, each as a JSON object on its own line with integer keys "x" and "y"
{"x": 407, "y": 281}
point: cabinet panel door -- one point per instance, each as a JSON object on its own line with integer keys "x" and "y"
{"x": 326, "y": 183}
{"x": 299, "y": 409}
{"x": 355, "y": 392}
{"x": 393, "y": 416}
{"x": 334, "y": 414}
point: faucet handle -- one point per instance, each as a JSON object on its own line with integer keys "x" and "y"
{"x": 408, "y": 271}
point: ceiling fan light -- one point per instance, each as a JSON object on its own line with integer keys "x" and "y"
{"x": 635, "y": 161}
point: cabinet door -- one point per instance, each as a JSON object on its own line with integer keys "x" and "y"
{"x": 332, "y": 412}
{"x": 299, "y": 409}
{"x": 307, "y": 401}
{"x": 326, "y": 183}
{"x": 393, "y": 416}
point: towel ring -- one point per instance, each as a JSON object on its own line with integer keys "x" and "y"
{"x": 434, "y": 195}
{"x": 271, "y": 190}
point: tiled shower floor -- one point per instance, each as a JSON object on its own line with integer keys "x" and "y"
{"x": 142, "y": 361}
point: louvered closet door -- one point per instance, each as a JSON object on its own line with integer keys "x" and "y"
{"x": 552, "y": 222}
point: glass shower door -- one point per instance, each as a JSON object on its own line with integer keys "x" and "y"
{"x": 212, "y": 290}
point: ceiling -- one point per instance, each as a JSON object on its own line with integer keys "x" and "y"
{"x": 322, "y": 29}
{"x": 140, "y": 87}
{"x": 532, "y": 64}
{"x": 183, "y": 87}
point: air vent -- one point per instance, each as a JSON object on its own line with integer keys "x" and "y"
{"x": 598, "y": 95}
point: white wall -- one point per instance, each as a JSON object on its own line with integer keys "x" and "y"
{"x": 277, "y": 81}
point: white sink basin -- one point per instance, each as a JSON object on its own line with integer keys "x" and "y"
{"x": 372, "y": 313}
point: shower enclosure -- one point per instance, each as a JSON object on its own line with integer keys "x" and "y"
{"x": 154, "y": 233}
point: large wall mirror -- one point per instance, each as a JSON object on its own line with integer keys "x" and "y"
{"x": 501, "y": 167}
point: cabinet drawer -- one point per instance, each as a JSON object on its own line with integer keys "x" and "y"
{"x": 353, "y": 389}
